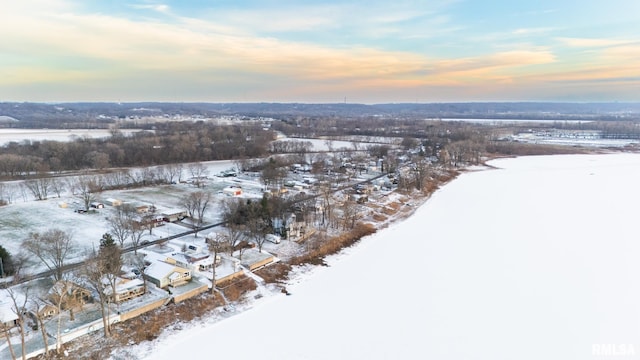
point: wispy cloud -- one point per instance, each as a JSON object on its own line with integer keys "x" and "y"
{"x": 533, "y": 31}
{"x": 162, "y": 8}
{"x": 278, "y": 53}
{"x": 592, "y": 42}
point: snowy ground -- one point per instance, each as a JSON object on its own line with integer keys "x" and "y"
{"x": 535, "y": 260}
{"x": 26, "y": 215}
{"x": 20, "y": 135}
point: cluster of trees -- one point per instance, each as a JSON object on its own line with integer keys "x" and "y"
{"x": 87, "y": 185}
{"x": 169, "y": 143}
{"x": 29, "y": 302}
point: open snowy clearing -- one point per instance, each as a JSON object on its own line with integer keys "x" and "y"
{"x": 64, "y": 135}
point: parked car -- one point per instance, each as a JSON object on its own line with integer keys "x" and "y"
{"x": 273, "y": 238}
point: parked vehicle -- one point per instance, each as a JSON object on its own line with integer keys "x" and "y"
{"x": 273, "y": 238}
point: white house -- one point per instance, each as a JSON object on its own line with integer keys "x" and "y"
{"x": 163, "y": 274}
{"x": 126, "y": 289}
{"x": 194, "y": 262}
{"x": 8, "y": 316}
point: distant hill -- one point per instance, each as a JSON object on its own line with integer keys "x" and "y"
{"x": 7, "y": 120}
{"x": 100, "y": 115}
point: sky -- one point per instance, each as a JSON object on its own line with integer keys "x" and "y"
{"x": 523, "y": 262}
{"x": 319, "y": 51}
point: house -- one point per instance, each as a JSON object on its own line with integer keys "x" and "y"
{"x": 288, "y": 227}
{"x": 126, "y": 289}
{"x": 45, "y": 310}
{"x": 8, "y": 316}
{"x": 189, "y": 247}
{"x": 142, "y": 209}
{"x": 253, "y": 259}
{"x": 194, "y": 262}
{"x": 69, "y": 294}
{"x": 173, "y": 215}
{"x": 163, "y": 274}
{"x": 149, "y": 221}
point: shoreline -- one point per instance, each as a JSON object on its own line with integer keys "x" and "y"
{"x": 264, "y": 292}
{"x": 449, "y": 287}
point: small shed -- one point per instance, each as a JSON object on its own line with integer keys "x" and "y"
{"x": 232, "y": 191}
{"x": 173, "y": 215}
{"x": 97, "y": 205}
{"x": 113, "y": 202}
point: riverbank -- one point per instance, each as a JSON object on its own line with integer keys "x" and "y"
{"x": 234, "y": 297}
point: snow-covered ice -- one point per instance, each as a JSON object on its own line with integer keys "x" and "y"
{"x": 535, "y": 260}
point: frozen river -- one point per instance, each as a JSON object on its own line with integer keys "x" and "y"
{"x": 536, "y": 260}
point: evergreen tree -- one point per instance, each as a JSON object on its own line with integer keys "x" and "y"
{"x": 7, "y": 262}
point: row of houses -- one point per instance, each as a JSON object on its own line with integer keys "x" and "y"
{"x": 171, "y": 274}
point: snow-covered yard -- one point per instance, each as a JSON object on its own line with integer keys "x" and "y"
{"x": 535, "y": 260}
{"x": 25, "y": 215}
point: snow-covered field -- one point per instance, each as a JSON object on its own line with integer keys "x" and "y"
{"x": 573, "y": 141}
{"x": 535, "y": 260}
{"x": 26, "y": 215}
{"x": 19, "y": 135}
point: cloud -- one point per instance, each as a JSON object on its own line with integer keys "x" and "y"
{"x": 162, "y": 8}
{"x": 533, "y": 31}
{"x": 591, "y": 42}
{"x": 59, "y": 47}
{"x": 117, "y": 48}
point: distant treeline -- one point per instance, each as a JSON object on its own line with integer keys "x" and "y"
{"x": 102, "y": 115}
{"x": 168, "y": 143}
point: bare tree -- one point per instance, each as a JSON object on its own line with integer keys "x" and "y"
{"x": 85, "y": 188}
{"x": 350, "y": 214}
{"x": 173, "y": 173}
{"x": 196, "y": 204}
{"x": 39, "y": 187}
{"x": 93, "y": 273}
{"x": 100, "y": 272}
{"x": 7, "y": 193}
{"x": 136, "y": 231}
{"x": 257, "y": 229}
{"x": 198, "y": 171}
{"x": 216, "y": 246}
{"x": 38, "y": 305}
{"x": 52, "y": 248}
{"x": 65, "y": 294}
{"x": 421, "y": 173}
{"x": 58, "y": 186}
{"x": 120, "y": 223}
{"x": 329, "y": 144}
{"x": 19, "y": 299}
{"x": 273, "y": 174}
